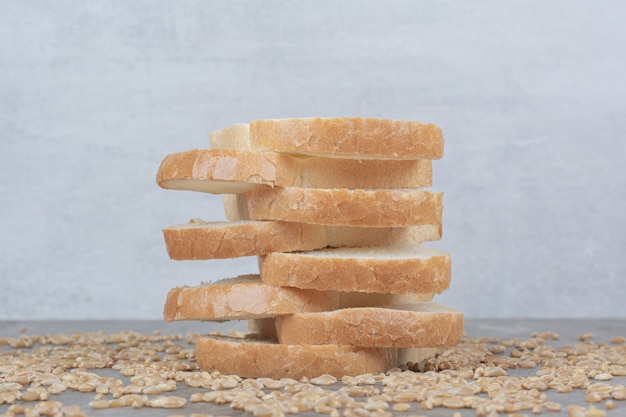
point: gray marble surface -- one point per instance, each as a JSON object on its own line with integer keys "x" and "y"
{"x": 568, "y": 330}
{"x": 530, "y": 96}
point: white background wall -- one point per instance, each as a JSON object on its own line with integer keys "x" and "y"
{"x": 531, "y": 96}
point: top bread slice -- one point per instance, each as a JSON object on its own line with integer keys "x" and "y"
{"x": 346, "y": 137}
{"x": 231, "y": 171}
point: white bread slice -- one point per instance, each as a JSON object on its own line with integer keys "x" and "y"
{"x": 235, "y": 209}
{"x": 398, "y": 269}
{"x": 198, "y": 240}
{"x": 266, "y": 327}
{"x": 252, "y": 357}
{"x": 343, "y": 207}
{"x": 224, "y": 171}
{"x": 228, "y": 171}
{"x": 242, "y": 298}
{"x": 425, "y": 325}
{"x": 347, "y": 137}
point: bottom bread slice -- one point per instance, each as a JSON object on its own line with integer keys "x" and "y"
{"x": 422, "y": 325}
{"x": 251, "y": 357}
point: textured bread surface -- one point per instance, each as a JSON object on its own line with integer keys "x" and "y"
{"x": 423, "y": 325}
{"x": 242, "y": 298}
{"x": 257, "y": 358}
{"x": 399, "y": 269}
{"x": 200, "y": 240}
{"x": 343, "y": 207}
{"x": 349, "y": 137}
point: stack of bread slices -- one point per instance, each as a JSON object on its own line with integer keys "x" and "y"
{"x": 336, "y": 209}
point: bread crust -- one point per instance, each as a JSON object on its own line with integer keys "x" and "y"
{"x": 242, "y": 298}
{"x": 200, "y": 240}
{"x": 345, "y": 207}
{"x": 423, "y": 325}
{"x": 253, "y": 358}
{"x": 349, "y": 137}
{"x": 421, "y": 270}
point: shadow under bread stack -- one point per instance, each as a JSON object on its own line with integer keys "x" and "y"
{"x": 336, "y": 210}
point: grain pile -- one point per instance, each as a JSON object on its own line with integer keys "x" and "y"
{"x": 337, "y": 210}
{"x": 79, "y": 374}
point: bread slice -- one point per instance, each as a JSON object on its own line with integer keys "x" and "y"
{"x": 241, "y": 298}
{"x": 252, "y": 357}
{"x": 235, "y": 209}
{"x": 398, "y": 269}
{"x": 343, "y": 207}
{"x": 225, "y": 171}
{"x": 424, "y": 325}
{"x": 266, "y": 327}
{"x": 348, "y": 137}
{"x": 199, "y": 240}
{"x": 229, "y": 171}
